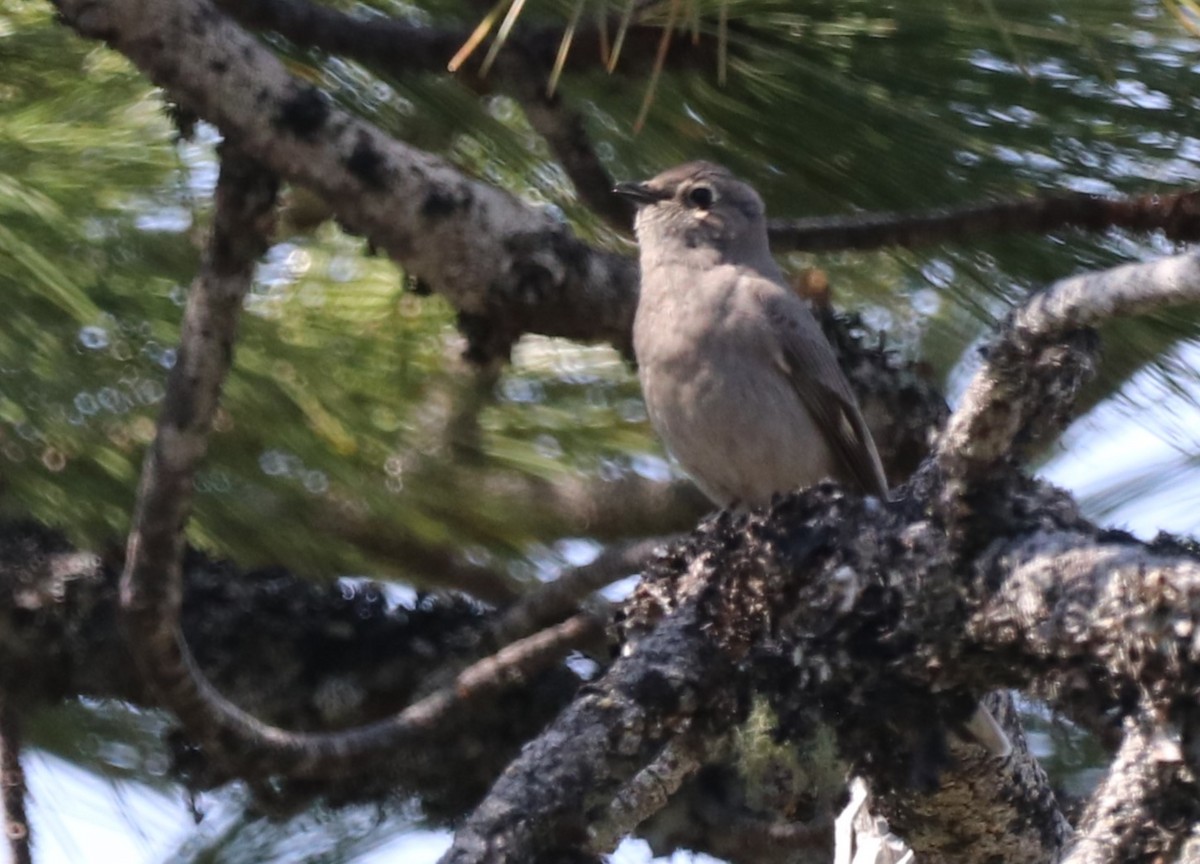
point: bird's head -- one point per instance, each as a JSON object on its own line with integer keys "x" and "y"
{"x": 702, "y": 206}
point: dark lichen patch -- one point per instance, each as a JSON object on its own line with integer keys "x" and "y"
{"x": 367, "y": 164}
{"x": 440, "y": 203}
{"x": 303, "y": 113}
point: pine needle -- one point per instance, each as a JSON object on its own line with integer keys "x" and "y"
{"x": 1187, "y": 13}
{"x": 477, "y": 35}
{"x": 602, "y": 35}
{"x": 622, "y": 29}
{"x": 660, "y": 60}
{"x": 514, "y": 12}
{"x": 564, "y": 47}
{"x": 723, "y": 43}
{"x": 1006, "y": 36}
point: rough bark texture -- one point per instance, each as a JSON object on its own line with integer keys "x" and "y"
{"x": 507, "y": 267}
{"x": 883, "y": 622}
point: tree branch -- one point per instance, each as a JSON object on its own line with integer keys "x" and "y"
{"x": 1099, "y": 619}
{"x": 151, "y": 588}
{"x": 802, "y": 572}
{"x": 1176, "y": 215}
{"x": 299, "y": 655}
{"x": 1021, "y": 390}
{"x": 508, "y": 268}
{"x": 651, "y": 789}
{"x": 661, "y": 686}
{"x": 555, "y": 600}
{"x": 13, "y": 789}
{"x": 1133, "y": 816}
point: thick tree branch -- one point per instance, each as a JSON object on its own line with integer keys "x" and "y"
{"x": 803, "y": 574}
{"x": 508, "y": 268}
{"x": 540, "y": 808}
{"x": 809, "y": 591}
{"x": 1099, "y": 625}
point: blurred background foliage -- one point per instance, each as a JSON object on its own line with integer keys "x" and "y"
{"x": 353, "y": 440}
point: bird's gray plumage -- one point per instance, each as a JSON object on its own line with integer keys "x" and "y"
{"x": 738, "y": 378}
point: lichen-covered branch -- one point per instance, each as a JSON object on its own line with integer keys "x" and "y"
{"x": 651, "y": 788}
{"x": 784, "y": 599}
{"x": 847, "y": 608}
{"x": 1143, "y": 809}
{"x": 1035, "y": 364}
{"x": 509, "y": 268}
{"x": 540, "y": 809}
{"x": 1098, "y": 622}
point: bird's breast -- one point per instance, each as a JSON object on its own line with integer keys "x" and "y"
{"x": 734, "y": 422}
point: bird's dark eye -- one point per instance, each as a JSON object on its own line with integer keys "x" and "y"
{"x": 701, "y": 197}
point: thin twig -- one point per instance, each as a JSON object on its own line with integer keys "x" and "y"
{"x": 554, "y": 600}
{"x": 152, "y": 582}
{"x": 1177, "y": 215}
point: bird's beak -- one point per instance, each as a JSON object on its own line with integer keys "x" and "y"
{"x": 640, "y": 193}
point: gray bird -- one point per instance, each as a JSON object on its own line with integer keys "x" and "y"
{"x": 739, "y": 380}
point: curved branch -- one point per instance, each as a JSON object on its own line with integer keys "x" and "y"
{"x": 1028, "y": 382}
{"x": 152, "y": 584}
{"x": 299, "y": 654}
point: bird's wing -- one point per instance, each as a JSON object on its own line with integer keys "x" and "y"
{"x": 805, "y": 356}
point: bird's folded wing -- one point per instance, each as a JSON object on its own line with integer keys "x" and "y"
{"x": 805, "y": 356}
